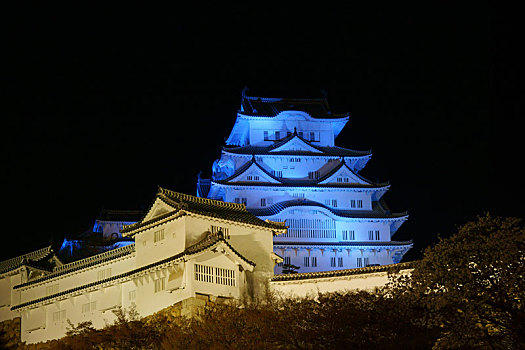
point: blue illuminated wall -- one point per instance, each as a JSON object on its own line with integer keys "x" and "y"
{"x": 282, "y": 162}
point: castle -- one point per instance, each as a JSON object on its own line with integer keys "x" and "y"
{"x": 282, "y": 198}
{"x": 281, "y": 161}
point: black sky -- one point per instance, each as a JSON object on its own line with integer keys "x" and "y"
{"x": 102, "y": 105}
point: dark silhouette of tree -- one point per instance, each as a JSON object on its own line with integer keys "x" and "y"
{"x": 289, "y": 268}
{"x": 472, "y": 286}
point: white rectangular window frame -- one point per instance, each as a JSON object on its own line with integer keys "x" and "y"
{"x": 50, "y": 290}
{"x": 217, "y": 275}
{"x": 160, "y": 284}
{"x": 158, "y": 235}
{"x": 89, "y": 307}
{"x": 103, "y": 274}
{"x": 59, "y": 316}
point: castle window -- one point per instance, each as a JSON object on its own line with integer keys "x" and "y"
{"x": 158, "y": 235}
{"x": 334, "y": 203}
{"x": 53, "y": 289}
{"x": 252, "y": 177}
{"x": 332, "y": 262}
{"x": 263, "y": 202}
{"x": 226, "y": 277}
{"x": 377, "y": 235}
{"x": 160, "y": 284}
{"x": 370, "y": 235}
{"x": 366, "y": 261}
{"x": 103, "y": 274}
{"x": 266, "y": 138}
{"x": 89, "y": 307}
{"x": 340, "y": 262}
{"x": 277, "y": 173}
{"x": 59, "y": 316}
{"x": 343, "y": 179}
{"x": 306, "y": 261}
{"x": 217, "y": 275}
{"x": 225, "y": 231}
{"x": 359, "y": 203}
{"x": 240, "y": 200}
{"x": 203, "y": 273}
{"x": 277, "y": 135}
{"x": 359, "y": 262}
{"x": 314, "y": 261}
{"x": 348, "y": 235}
{"x": 314, "y": 174}
{"x": 312, "y": 136}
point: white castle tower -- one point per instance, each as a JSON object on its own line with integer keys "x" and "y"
{"x": 281, "y": 161}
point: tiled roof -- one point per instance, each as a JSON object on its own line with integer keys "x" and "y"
{"x": 207, "y": 207}
{"x": 30, "y": 259}
{"x": 325, "y": 150}
{"x": 84, "y": 263}
{"x": 270, "y": 107}
{"x": 340, "y": 273}
{"x": 335, "y": 245}
{"x": 210, "y": 241}
{"x": 378, "y": 211}
{"x": 286, "y": 182}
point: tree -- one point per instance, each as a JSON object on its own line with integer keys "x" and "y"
{"x": 472, "y": 286}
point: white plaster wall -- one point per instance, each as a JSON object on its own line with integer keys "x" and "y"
{"x": 381, "y": 256}
{"x": 284, "y": 123}
{"x": 343, "y": 196}
{"x": 303, "y": 288}
{"x": 8, "y": 296}
{"x": 77, "y": 278}
{"x": 173, "y": 243}
{"x": 311, "y": 287}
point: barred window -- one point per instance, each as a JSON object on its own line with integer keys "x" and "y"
{"x": 332, "y": 262}
{"x": 53, "y": 289}
{"x": 89, "y": 307}
{"x": 225, "y": 277}
{"x": 306, "y": 261}
{"x": 103, "y": 274}
{"x": 225, "y": 230}
{"x": 359, "y": 262}
{"x": 158, "y": 235}
{"x": 59, "y": 316}
{"x": 160, "y": 284}
{"x": 314, "y": 261}
{"x": 217, "y": 275}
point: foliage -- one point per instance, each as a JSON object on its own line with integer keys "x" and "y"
{"x": 472, "y": 286}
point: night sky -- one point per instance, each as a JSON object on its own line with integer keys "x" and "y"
{"x": 102, "y": 105}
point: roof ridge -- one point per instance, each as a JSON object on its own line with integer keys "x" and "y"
{"x": 187, "y": 197}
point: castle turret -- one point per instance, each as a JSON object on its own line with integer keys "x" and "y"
{"x": 281, "y": 161}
